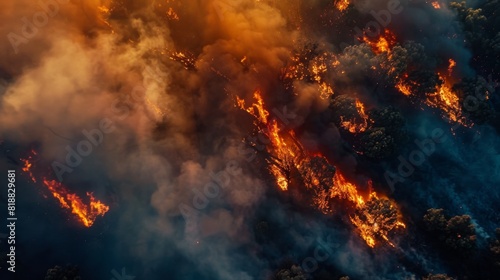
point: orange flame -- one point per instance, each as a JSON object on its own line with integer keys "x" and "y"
{"x": 404, "y": 89}
{"x": 287, "y": 156}
{"x": 436, "y": 5}
{"x": 28, "y": 164}
{"x": 85, "y": 213}
{"x": 446, "y": 100}
{"x": 383, "y": 44}
{"x": 354, "y": 126}
{"x": 342, "y": 4}
{"x": 451, "y": 65}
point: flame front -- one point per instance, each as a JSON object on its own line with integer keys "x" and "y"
{"x": 289, "y": 163}
{"x": 86, "y": 213}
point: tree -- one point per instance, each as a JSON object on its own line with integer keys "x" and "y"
{"x": 385, "y": 134}
{"x": 68, "y": 272}
{"x": 495, "y": 248}
{"x": 458, "y": 232}
{"x": 294, "y": 273}
{"x": 376, "y": 143}
{"x": 474, "y": 95}
{"x": 434, "y": 220}
{"x": 437, "y": 277}
{"x": 348, "y": 113}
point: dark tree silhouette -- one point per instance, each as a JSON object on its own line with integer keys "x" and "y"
{"x": 68, "y": 272}
{"x": 458, "y": 233}
{"x": 437, "y": 277}
{"x": 294, "y": 273}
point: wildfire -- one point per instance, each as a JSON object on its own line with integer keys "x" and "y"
{"x": 257, "y": 109}
{"x": 86, "y": 213}
{"x": 436, "y": 5}
{"x": 309, "y": 65}
{"x": 403, "y": 88}
{"x": 383, "y": 44}
{"x": 451, "y": 65}
{"x": 28, "y": 164}
{"x": 446, "y": 100}
{"x": 443, "y": 98}
{"x": 288, "y": 163}
{"x": 342, "y": 4}
{"x": 354, "y": 126}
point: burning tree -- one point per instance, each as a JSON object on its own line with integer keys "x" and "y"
{"x": 376, "y": 219}
{"x": 348, "y": 113}
{"x": 309, "y": 64}
{"x": 291, "y": 165}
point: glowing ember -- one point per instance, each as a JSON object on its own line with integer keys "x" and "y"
{"x": 186, "y": 59}
{"x": 172, "y": 15}
{"x": 436, "y": 5}
{"x": 311, "y": 66}
{"x": 286, "y": 156}
{"x": 342, "y": 4}
{"x": 86, "y": 213}
{"x": 28, "y": 164}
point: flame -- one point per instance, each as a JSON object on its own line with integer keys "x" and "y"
{"x": 257, "y": 109}
{"x": 353, "y": 125}
{"x": 28, "y": 164}
{"x": 383, "y": 44}
{"x": 451, "y": 65}
{"x": 446, "y": 100}
{"x": 374, "y": 218}
{"x": 403, "y": 88}
{"x": 436, "y": 5}
{"x": 443, "y": 98}
{"x": 342, "y": 4}
{"x": 86, "y": 213}
{"x": 306, "y": 65}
